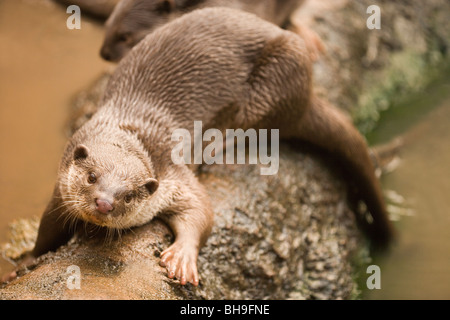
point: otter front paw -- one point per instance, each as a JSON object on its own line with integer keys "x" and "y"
{"x": 27, "y": 261}
{"x": 181, "y": 263}
{"x": 8, "y": 277}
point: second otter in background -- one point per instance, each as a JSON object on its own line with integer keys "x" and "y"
{"x": 132, "y": 20}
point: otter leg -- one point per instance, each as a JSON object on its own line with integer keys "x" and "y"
{"x": 190, "y": 219}
{"x": 279, "y": 83}
{"x": 53, "y": 232}
{"x": 54, "y": 228}
{"x": 312, "y": 40}
{"x": 180, "y": 258}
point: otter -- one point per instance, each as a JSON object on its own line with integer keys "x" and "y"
{"x": 132, "y": 20}
{"x": 223, "y": 67}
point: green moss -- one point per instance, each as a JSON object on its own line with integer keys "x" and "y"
{"x": 360, "y": 261}
{"x": 408, "y": 73}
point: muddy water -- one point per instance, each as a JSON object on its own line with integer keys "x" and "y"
{"x": 42, "y": 65}
{"x": 418, "y": 267}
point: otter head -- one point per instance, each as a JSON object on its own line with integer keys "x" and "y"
{"x": 131, "y": 21}
{"x": 109, "y": 185}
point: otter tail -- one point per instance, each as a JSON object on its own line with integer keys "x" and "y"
{"x": 329, "y": 128}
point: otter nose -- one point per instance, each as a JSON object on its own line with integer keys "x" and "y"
{"x": 105, "y": 53}
{"x": 103, "y": 206}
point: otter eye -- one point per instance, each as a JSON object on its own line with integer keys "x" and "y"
{"x": 92, "y": 178}
{"x": 123, "y": 37}
{"x": 128, "y": 197}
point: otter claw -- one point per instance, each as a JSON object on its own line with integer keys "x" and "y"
{"x": 180, "y": 264}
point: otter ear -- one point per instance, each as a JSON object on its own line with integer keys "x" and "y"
{"x": 166, "y": 6}
{"x": 152, "y": 185}
{"x": 81, "y": 152}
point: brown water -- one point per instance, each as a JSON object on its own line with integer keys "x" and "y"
{"x": 42, "y": 65}
{"x": 418, "y": 267}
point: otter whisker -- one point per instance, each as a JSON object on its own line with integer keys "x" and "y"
{"x": 85, "y": 224}
{"x": 110, "y": 232}
{"x": 72, "y": 218}
{"x": 68, "y": 215}
{"x": 56, "y": 209}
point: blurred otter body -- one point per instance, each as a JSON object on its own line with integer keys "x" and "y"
{"x": 224, "y": 67}
{"x": 132, "y": 20}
